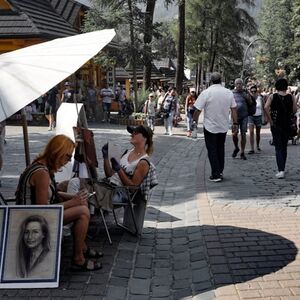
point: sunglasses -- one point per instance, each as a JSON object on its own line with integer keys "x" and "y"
{"x": 253, "y": 91}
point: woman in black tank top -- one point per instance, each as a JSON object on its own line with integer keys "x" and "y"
{"x": 279, "y": 108}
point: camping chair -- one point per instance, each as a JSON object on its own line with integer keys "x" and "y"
{"x": 136, "y": 203}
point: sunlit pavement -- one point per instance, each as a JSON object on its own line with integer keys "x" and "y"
{"x": 236, "y": 239}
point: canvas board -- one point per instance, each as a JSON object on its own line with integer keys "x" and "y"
{"x": 31, "y": 246}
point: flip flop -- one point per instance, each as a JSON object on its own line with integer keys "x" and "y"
{"x": 89, "y": 265}
{"x": 92, "y": 253}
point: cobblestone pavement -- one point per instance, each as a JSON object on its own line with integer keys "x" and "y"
{"x": 237, "y": 239}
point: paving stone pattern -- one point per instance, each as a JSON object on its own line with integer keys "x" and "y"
{"x": 237, "y": 239}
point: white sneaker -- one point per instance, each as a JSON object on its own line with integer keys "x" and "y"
{"x": 280, "y": 175}
{"x": 170, "y": 133}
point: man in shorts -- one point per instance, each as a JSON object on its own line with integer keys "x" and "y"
{"x": 50, "y": 107}
{"x": 242, "y": 99}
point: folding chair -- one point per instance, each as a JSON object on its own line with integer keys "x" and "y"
{"x": 136, "y": 204}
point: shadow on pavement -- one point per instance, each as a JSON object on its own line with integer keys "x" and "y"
{"x": 244, "y": 253}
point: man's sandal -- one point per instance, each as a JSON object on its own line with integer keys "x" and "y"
{"x": 92, "y": 253}
{"x": 89, "y": 265}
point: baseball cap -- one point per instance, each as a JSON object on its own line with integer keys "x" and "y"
{"x": 146, "y": 131}
{"x": 151, "y": 95}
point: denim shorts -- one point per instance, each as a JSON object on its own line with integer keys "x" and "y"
{"x": 243, "y": 124}
{"x": 255, "y": 120}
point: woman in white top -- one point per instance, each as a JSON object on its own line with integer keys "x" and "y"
{"x": 131, "y": 170}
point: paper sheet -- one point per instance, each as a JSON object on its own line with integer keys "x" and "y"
{"x": 115, "y": 151}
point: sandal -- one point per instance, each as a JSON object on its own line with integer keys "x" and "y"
{"x": 251, "y": 152}
{"x": 89, "y": 265}
{"x": 92, "y": 253}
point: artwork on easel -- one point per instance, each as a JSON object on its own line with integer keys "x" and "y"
{"x": 30, "y": 246}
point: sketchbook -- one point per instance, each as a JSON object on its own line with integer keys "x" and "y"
{"x": 115, "y": 151}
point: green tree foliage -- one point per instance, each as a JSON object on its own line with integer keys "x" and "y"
{"x": 294, "y": 56}
{"x": 275, "y": 26}
{"x": 217, "y": 34}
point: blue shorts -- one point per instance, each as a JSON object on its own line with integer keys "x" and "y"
{"x": 255, "y": 120}
{"x": 243, "y": 124}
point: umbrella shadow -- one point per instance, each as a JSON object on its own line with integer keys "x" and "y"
{"x": 203, "y": 258}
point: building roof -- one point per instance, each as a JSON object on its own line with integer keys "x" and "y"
{"x": 39, "y": 18}
{"x": 121, "y": 73}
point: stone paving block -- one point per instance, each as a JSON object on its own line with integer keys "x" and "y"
{"x": 197, "y": 256}
{"x": 200, "y": 275}
{"x": 142, "y": 273}
{"x": 125, "y": 273}
{"x": 162, "y": 280}
{"x": 138, "y": 297}
{"x": 181, "y": 284}
{"x": 160, "y": 291}
{"x": 162, "y": 271}
{"x": 143, "y": 261}
{"x": 139, "y": 286}
{"x": 182, "y": 274}
{"x": 95, "y": 289}
{"x": 116, "y": 293}
{"x": 182, "y": 294}
{"x": 222, "y": 279}
{"x": 180, "y": 264}
{"x": 117, "y": 281}
{"x": 181, "y": 256}
{"x": 199, "y": 264}
{"x": 275, "y": 292}
{"x": 202, "y": 286}
{"x": 163, "y": 247}
{"x": 195, "y": 243}
{"x": 90, "y": 297}
{"x": 161, "y": 263}
{"x": 162, "y": 254}
{"x": 180, "y": 248}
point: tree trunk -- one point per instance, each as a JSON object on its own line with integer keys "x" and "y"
{"x": 148, "y": 33}
{"x": 133, "y": 55}
{"x": 180, "y": 47}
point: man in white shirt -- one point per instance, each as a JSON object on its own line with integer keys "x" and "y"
{"x": 106, "y": 94}
{"x": 216, "y": 101}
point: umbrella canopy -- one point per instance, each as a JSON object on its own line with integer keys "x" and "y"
{"x": 28, "y": 73}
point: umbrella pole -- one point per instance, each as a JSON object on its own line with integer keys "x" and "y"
{"x": 25, "y": 136}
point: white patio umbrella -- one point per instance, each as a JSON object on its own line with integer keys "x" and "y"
{"x": 28, "y": 73}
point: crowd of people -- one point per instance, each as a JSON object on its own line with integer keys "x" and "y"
{"x": 251, "y": 107}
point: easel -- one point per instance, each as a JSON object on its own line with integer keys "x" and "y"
{"x": 73, "y": 115}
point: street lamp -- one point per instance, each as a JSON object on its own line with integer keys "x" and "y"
{"x": 247, "y": 49}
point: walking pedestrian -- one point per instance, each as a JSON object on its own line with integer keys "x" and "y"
{"x": 50, "y": 107}
{"x": 242, "y": 99}
{"x": 68, "y": 93}
{"x": 170, "y": 109}
{"x": 106, "y": 94}
{"x": 280, "y": 107}
{"x": 216, "y": 101}
{"x": 149, "y": 110}
{"x": 190, "y": 109}
{"x": 257, "y": 119}
{"x": 91, "y": 94}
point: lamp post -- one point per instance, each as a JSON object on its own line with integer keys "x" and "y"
{"x": 247, "y": 49}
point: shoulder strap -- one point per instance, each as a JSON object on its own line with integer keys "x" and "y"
{"x": 20, "y": 193}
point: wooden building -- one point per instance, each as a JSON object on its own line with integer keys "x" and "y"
{"x": 28, "y": 22}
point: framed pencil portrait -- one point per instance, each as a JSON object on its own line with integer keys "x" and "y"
{"x": 31, "y": 246}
